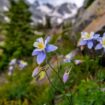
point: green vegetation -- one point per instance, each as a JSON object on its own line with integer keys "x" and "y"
{"x": 86, "y": 83}
{"x": 19, "y": 35}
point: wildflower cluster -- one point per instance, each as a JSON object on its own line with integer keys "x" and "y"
{"x": 41, "y": 49}
{"x": 101, "y": 43}
{"x": 14, "y": 63}
{"x": 87, "y": 39}
{"x": 69, "y": 58}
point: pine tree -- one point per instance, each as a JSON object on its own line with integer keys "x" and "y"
{"x": 19, "y": 37}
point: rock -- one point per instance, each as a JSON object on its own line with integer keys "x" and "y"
{"x": 96, "y": 25}
{"x": 57, "y": 15}
{"x": 95, "y": 11}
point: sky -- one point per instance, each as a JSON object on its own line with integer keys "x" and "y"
{"x": 79, "y": 3}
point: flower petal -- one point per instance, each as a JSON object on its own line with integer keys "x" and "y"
{"x": 47, "y": 40}
{"x": 40, "y": 40}
{"x": 82, "y": 42}
{"x": 35, "y": 72}
{"x": 11, "y": 68}
{"x": 92, "y": 33}
{"x": 65, "y": 77}
{"x": 13, "y": 62}
{"x": 83, "y": 34}
{"x": 35, "y": 52}
{"x": 98, "y": 46}
{"x": 96, "y": 36}
{"x": 50, "y": 48}
{"x": 35, "y": 44}
{"x": 41, "y": 57}
{"x": 77, "y": 62}
{"x": 90, "y": 44}
{"x": 104, "y": 34}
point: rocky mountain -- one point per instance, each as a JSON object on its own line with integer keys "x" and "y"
{"x": 41, "y": 12}
{"x": 57, "y": 15}
{"x": 63, "y": 12}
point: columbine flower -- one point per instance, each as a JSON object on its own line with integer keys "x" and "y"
{"x": 77, "y": 62}
{"x": 70, "y": 56}
{"x": 87, "y": 39}
{"x": 13, "y": 62}
{"x": 101, "y": 43}
{"x": 10, "y": 70}
{"x": 22, "y": 64}
{"x": 41, "y": 48}
{"x": 65, "y": 77}
{"x": 35, "y": 72}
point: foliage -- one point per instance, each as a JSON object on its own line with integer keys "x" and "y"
{"x": 19, "y": 35}
{"x": 89, "y": 93}
{"x": 84, "y": 83}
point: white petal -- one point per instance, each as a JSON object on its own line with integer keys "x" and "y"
{"x": 35, "y": 44}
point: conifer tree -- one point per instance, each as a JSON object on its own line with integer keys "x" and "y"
{"x": 19, "y": 36}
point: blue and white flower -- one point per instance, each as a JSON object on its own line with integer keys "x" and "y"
{"x": 35, "y": 72}
{"x": 69, "y": 57}
{"x": 77, "y": 61}
{"x": 22, "y": 64}
{"x": 101, "y": 43}
{"x": 41, "y": 48}
{"x": 13, "y": 62}
{"x": 10, "y": 70}
{"x": 65, "y": 77}
{"x": 87, "y": 39}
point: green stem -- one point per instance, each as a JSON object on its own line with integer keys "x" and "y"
{"x": 69, "y": 100}
{"x": 50, "y": 80}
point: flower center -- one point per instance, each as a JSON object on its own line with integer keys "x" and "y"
{"x": 41, "y": 46}
{"x": 88, "y": 36}
{"x": 103, "y": 42}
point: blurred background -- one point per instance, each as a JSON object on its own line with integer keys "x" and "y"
{"x": 21, "y": 23}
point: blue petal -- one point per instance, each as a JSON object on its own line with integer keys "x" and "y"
{"x": 65, "y": 77}
{"x": 41, "y": 57}
{"x": 99, "y": 39}
{"x": 47, "y": 40}
{"x": 35, "y": 72}
{"x": 39, "y": 39}
{"x": 98, "y": 46}
{"x": 82, "y": 42}
{"x": 50, "y": 48}
{"x": 96, "y": 36}
{"x": 35, "y": 52}
{"x": 104, "y": 34}
{"x": 90, "y": 44}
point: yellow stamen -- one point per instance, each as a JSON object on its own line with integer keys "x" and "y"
{"x": 88, "y": 36}
{"x": 103, "y": 42}
{"x": 41, "y": 46}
